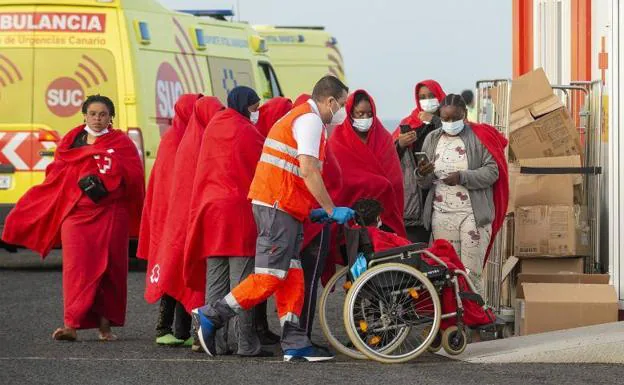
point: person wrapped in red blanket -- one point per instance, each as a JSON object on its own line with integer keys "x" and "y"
{"x": 370, "y": 168}
{"x": 271, "y": 112}
{"x": 221, "y": 223}
{"x": 90, "y": 202}
{"x": 369, "y": 212}
{"x": 153, "y": 224}
{"x": 166, "y": 274}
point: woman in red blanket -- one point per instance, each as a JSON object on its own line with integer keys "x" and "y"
{"x": 221, "y": 223}
{"x": 409, "y": 138}
{"x": 153, "y": 221}
{"x": 90, "y": 201}
{"x": 166, "y": 273}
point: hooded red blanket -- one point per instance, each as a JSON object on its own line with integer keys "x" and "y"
{"x": 369, "y": 170}
{"x": 301, "y": 99}
{"x": 165, "y": 275}
{"x": 161, "y": 177}
{"x": 221, "y": 221}
{"x": 271, "y": 112}
{"x": 36, "y": 220}
{"x": 412, "y": 119}
{"x": 495, "y": 143}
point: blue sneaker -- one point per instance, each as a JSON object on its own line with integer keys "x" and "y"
{"x": 205, "y": 332}
{"x": 308, "y": 354}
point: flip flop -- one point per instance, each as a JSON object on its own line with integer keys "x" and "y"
{"x": 61, "y": 334}
{"x": 108, "y": 337}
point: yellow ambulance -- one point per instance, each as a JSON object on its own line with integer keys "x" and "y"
{"x": 54, "y": 53}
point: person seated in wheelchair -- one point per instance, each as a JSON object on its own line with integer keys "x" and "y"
{"x": 368, "y": 213}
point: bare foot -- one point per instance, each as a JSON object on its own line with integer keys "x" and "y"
{"x": 106, "y": 334}
{"x": 65, "y": 334}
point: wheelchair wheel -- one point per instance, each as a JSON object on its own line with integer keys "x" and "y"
{"x": 436, "y": 344}
{"x": 331, "y": 322}
{"x": 454, "y": 341}
{"x": 392, "y": 313}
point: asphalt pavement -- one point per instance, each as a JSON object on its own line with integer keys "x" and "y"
{"x": 31, "y": 308}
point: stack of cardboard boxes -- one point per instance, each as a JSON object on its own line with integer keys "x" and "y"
{"x": 551, "y": 231}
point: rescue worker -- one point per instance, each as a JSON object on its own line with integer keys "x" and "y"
{"x": 468, "y": 185}
{"x": 409, "y": 138}
{"x": 287, "y": 185}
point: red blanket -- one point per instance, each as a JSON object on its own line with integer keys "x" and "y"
{"x": 94, "y": 236}
{"x": 369, "y": 170}
{"x": 474, "y": 315}
{"x": 495, "y": 143}
{"x": 36, "y": 220}
{"x": 221, "y": 221}
{"x": 301, "y": 99}
{"x": 161, "y": 177}
{"x": 412, "y": 119}
{"x": 166, "y": 273}
{"x": 271, "y": 112}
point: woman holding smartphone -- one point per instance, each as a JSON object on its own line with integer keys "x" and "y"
{"x": 408, "y": 139}
{"x": 468, "y": 184}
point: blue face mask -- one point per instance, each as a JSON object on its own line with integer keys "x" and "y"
{"x": 453, "y": 128}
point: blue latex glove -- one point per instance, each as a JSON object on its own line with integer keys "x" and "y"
{"x": 319, "y": 215}
{"x": 359, "y": 266}
{"x": 342, "y": 215}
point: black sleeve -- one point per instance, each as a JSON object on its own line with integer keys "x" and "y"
{"x": 436, "y": 121}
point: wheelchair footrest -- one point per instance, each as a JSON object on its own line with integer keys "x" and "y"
{"x": 472, "y": 297}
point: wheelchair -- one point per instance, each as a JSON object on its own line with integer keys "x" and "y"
{"x": 392, "y": 312}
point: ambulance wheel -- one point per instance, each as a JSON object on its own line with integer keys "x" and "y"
{"x": 454, "y": 341}
{"x": 332, "y": 324}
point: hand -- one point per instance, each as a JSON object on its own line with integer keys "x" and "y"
{"x": 319, "y": 215}
{"x": 342, "y": 214}
{"x": 452, "y": 179}
{"x": 425, "y": 116}
{"x": 425, "y": 168}
{"x": 407, "y": 139}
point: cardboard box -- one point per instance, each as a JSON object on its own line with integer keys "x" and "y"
{"x": 543, "y": 189}
{"x": 556, "y": 306}
{"x": 529, "y": 89}
{"x": 594, "y": 279}
{"x": 528, "y": 115}
{"x": 553, "y": 134}
{"x": 552, "y": 265}
{"x": 554, "y": 230}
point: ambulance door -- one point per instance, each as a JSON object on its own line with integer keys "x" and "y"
{"x": 269, "y": 85}
{"x": 227, "y": 73}
{"x": 16, "y": 132}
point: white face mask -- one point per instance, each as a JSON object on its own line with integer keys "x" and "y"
{"x": 337, "y": 117}
{"x": 379, "y": 223}
{"x": 429, "y": 105}
{"x": 453, "y": 128}
{"x": 94, "y": 133}
{"x": 254, "y": 116}
{"x": 362, "y": 125}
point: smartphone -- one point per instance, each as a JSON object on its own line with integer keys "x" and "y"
{"x": 420, "y": 156}
{"x": 405, "y": 128}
